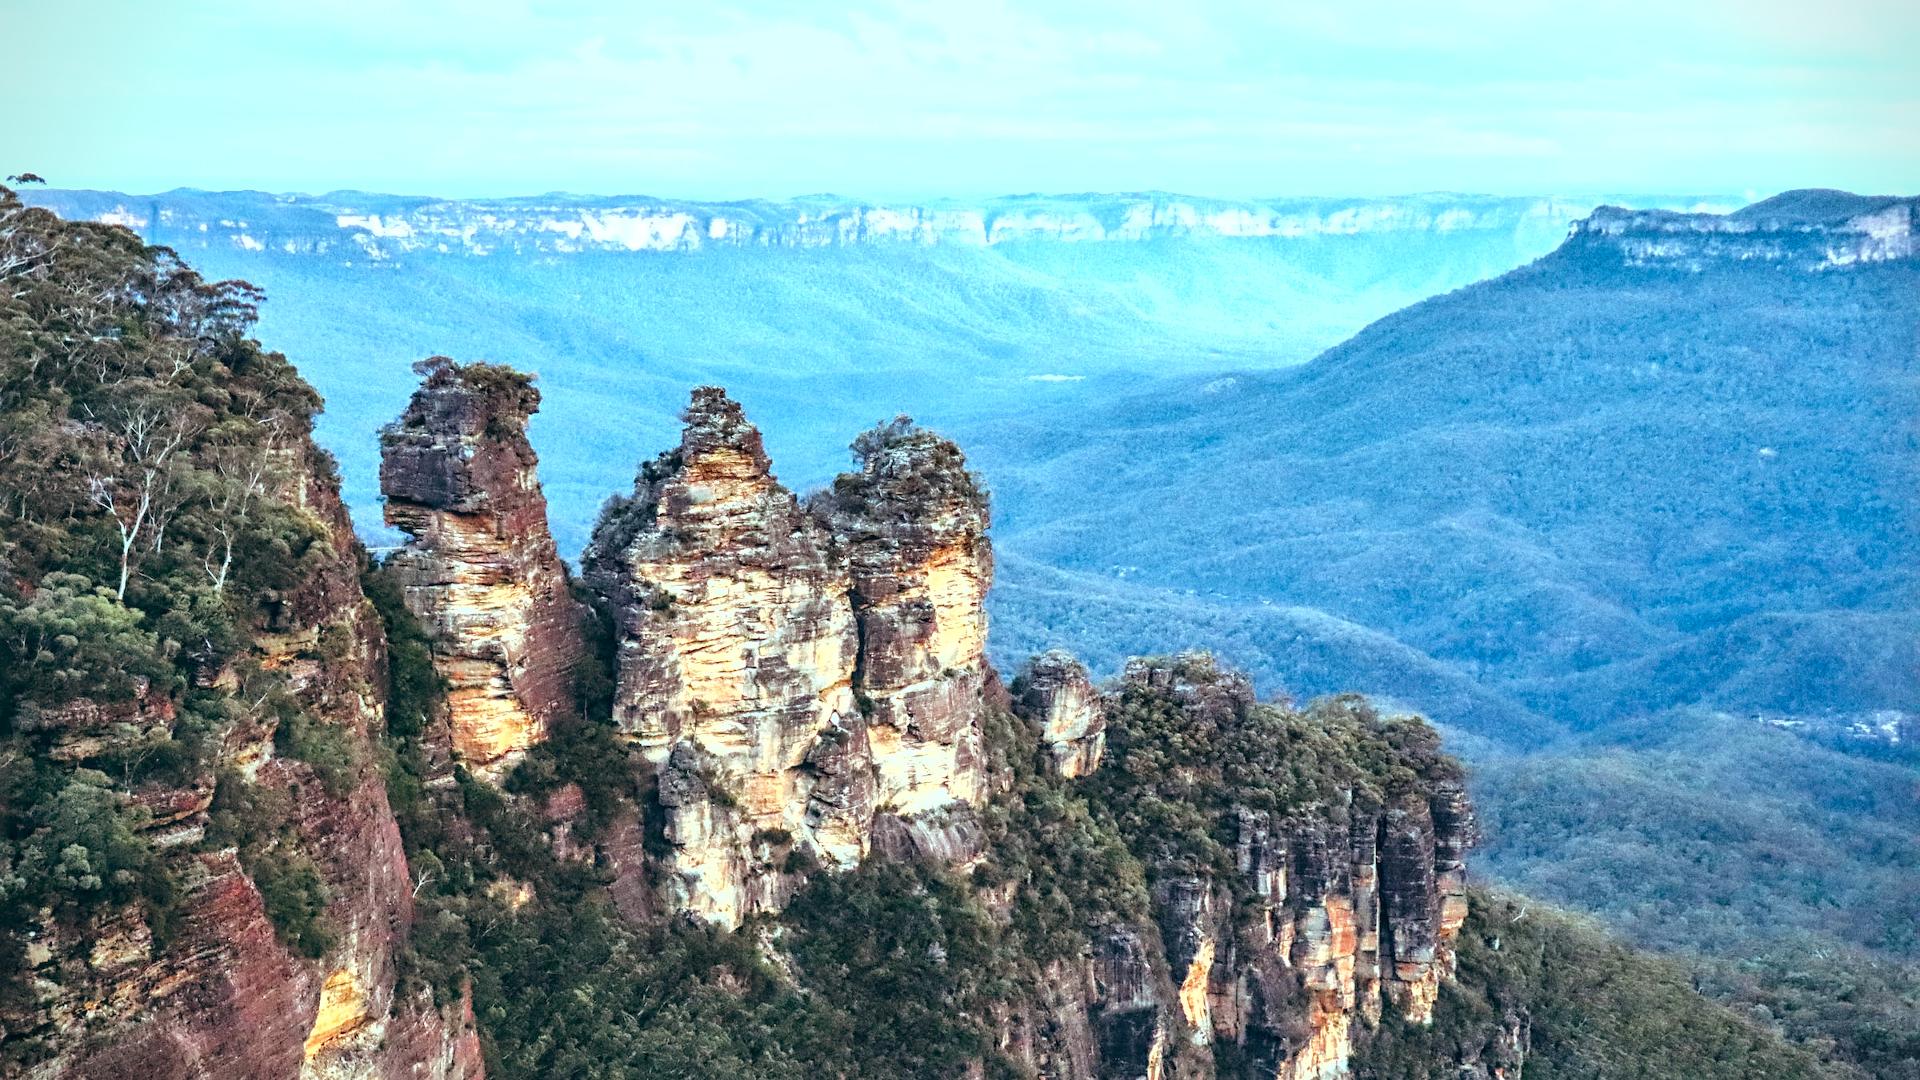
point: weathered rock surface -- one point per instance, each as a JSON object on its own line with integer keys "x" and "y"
{"x": 808, "y": 682}
{"x": 913, "y": 523}
{"x": 1056, "y": 690}
{"x": 736, "y": 664}
{"x": 1811, "y": 229}
{"x": 1337, "y": 911}
{"x": 481, "y": 571}
{"x": 222, "y": 996}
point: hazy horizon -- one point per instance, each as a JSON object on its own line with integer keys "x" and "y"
{"x": 958, "y": 198}
{"x": 895, "y": 100}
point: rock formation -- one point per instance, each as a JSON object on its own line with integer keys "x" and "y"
{"x": 1811, "y": 229}
{"x": 736, "y": 664}
{"x": 805, "y": 680}
{"x": 480, "y": 569}
{"x": 913, "y": 523}
{"x": 1057, "y": 690}
{"x": 1338, "y": 909}
{"x": 222, "y": 994}
{"x": 1345, "y": 915}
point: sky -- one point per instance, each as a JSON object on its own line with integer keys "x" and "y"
{"x": 968, "y": 97}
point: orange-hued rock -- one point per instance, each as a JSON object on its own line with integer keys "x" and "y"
{"x": 1338, "y": 915}
{"x": 1057, "y": 694}
{"x": 221, "y": 995}
{"x": 736, "y": 667}
{"x": 913, "y": 522}
{"x": 792, "y": 672}
{"x": 480, "y": 570}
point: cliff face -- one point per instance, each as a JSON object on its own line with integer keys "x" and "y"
{"x": 736, "y": 662}
{"x": 219, "y": 992}
{"x": 913, "y": 524}
{"x": 370, "y": 227}
{"x": 481, "y": 571}
{"x": 1057, "y": 691}
{"x": 1288, "y": 943}
{"x": 1806, "y": 230}
{"x": 804, "y": 680}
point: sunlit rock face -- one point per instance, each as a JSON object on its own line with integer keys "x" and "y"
{"x": 808, "y": 681}
{"x": 480, "y": 569}
{"x": 1338, "y": 914}
{"x": 1056, "y": 693}
{"x": 736, "y": 664}
{"x": 913, "y": 523}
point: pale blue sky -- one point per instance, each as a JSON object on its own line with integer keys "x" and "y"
{"x": 970, "y": 97}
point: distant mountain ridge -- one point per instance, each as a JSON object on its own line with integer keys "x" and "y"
{"x": 1594, "y": 485}
{"x": 357, "y": 224}
{"x": 823, "y": 314}
{"x": 1813, "y": 228}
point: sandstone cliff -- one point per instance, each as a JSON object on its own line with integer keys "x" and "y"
{"x": 1304, "y": 911}
{"x": 481, "y": 571}
{"x": 1057, "y": 692}
{"x": 807, "y": 681}
{"x": 230, "y": 844}
{"x": 735, "y": 668}
{"x": 913, "y": 524}
{"x": 218, "y": 991}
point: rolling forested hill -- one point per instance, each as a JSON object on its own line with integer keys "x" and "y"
{"x": 1641, "y": 517}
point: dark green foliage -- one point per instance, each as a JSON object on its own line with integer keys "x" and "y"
{"x": 152, "y": 523}
{"x": 1180, "y": 763}
{"x": 72, "y": 638}
{"x": 257, "y": 821}
{"x": 904, "y": 473}
{"x": 1779, "y": 865}
{"x": 1847, "y": 1005}
{"x": 1592, "y": 1009}
{"x": 1072, "y": 872}
{"x": 506, "y": 396}
{"x": 74, "y": 846}
{"x": 413, "y": 686}
{"x": 327, "y": 748}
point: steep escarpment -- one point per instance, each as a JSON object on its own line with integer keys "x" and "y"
{"x": 1803, "y": 230}
{"x": 202, "y": 875}
{"x": 1296, "y": 902}
{"x": 767, "y": 812}
{"x": 481, "y": 570}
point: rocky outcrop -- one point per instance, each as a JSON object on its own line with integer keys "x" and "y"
{"x": 218, "y": 991}
{"x": 480, "y": 569}
{"x": 1810, "y": 230}
{"x": 806, "y": 681}
{"x": 1334, "y": 911}
{"x": 913, "y": 523}
{"x": 736, "y": 663}
{"x": 1057, "y": 691}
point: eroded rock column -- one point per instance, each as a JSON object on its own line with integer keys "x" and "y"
{"x": 913, "y": 522}
{"x": 481, "y": 570}
{"x": 736, "y": 663}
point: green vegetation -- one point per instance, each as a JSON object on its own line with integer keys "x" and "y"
{"x": 1785, "y": 871}
{"x": 150, "y": 527}
{"x": 1189, "y": 752}
{"x": 1592, "y": 1008}
{"x": 156, "y": 536}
